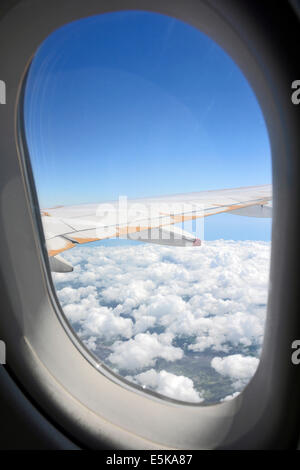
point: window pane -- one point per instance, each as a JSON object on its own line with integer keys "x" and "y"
{"x": 129, "y": 106}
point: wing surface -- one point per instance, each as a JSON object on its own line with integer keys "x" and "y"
{"x": 148, "y": 219}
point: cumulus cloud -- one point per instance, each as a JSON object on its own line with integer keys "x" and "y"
{"x": 170, "y": 385}
{"x": 141, "y": 304}
{"x": 230, "y": 397}
{"x": 91, "y": 343}
{"x": 143, "y": 350}
{"x": 222, "y": 332}
{"x": 238, "y": 367}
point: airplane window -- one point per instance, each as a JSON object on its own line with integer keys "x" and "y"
{"x": 152, "y": 165}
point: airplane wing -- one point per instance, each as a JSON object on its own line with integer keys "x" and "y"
{"x": 146, "y": 219}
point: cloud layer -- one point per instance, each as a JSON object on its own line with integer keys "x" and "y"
{"x": 144, "y": 309}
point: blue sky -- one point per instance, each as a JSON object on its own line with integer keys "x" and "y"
{"x": 140, "y": 104}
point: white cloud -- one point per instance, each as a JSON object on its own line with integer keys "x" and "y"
{"x": 239, "y": 368}
{"x": 91, "y": 343}
{"x": 143, "y": 350}
{"x": 233, "y": 328}
{"x": 170, "y": 385}
{"x": 230, "y": 397}
{"x": 102, "y": 322}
